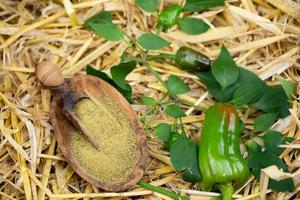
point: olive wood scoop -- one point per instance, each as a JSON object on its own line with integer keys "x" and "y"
{"x": 65, "y": 122}
{"x": 49, "y": 76}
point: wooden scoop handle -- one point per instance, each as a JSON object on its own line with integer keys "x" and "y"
{"x": 49, "y": 75}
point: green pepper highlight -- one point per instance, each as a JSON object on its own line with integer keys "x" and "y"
{"x": 191, "y": 60}
{"x": 168, "y": 17}
{"x": 220, "y": 160}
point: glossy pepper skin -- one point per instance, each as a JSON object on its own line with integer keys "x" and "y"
{"x": 168, "y": 17}
{"x": 191, "y": 60}
{"x": 220, "y": 160}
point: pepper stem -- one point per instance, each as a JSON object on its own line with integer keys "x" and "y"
{"x": 161, "y": 191}
{"x": 226, "y": 190}
{"x": 162, "y": 56}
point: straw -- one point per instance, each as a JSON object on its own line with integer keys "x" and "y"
{"x": 262, "y": 36}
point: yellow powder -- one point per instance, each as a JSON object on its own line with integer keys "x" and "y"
{"x": 118, "y": 147}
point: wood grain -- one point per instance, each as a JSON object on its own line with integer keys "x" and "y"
{"x": 63, "y": 130}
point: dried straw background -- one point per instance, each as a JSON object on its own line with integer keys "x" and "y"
{"x": 263, "y": 36}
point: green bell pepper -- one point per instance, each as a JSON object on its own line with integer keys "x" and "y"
{"x": 191, "y": 60}
{"x": 168, "y": 17}
{"x": 220, "y": 160}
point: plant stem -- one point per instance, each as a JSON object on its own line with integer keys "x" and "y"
{"x": 144, "y": 61}
{"x": 162, "y": 55}
{"x": 159, "y": 29}
{"x": 226, "y": 190}
{"x": 143, "y": 117}
{"x": 174, "y": 128}
{"x": 156, "y": 75}
{"x": 161, "y": 191}
{"x": 163, "y": 98}
{"x": 132, "y": 58}
{"x": 181, "y": 124}
{"x": 123, "y": 56}
{"x": 131, "y": 40}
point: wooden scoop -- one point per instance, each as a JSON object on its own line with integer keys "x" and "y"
{"x": 49, "y": 75}
{"x": 66, "y": 93}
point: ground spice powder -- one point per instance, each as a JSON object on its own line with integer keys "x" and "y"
{"x": 118, "y": 145}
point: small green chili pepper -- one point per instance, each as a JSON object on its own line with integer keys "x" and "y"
{"x": 168, "y": 17}
{"x": 191, "y": 60}
{"x": 220, "y": 160}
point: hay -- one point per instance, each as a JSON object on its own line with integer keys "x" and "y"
{"x": 263, "y": 36}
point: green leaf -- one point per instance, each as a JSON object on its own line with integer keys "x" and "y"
{"x": 101, "y": 16}
{"x": 107, "y": 30}
{"x": 172, "y": 139}
{"x": 183, "y": 154}
{"x": 126, "y": 93}
{"x": 261, "y": 160}
{"x": 253, "y": 146}
{"x": 273, "y": 139}
{"x": 274, "y": 100}
{"x": 163, "y": 131}
{"x": 285, "y": 185}
{"x": 289, "y": 87}
{"x": 91, "y": 71}
{"x": 119, "y": 73}
{"x": 246, "y": 94}
{"x": 149, "y": 101}
{"x": 265, "y": 121}
{"x": 173, "y": 110}
{"x": 177, "y": 86}
{"x": 199, "y": 5}
{"x": 147, "y": 5}
{"x": 287, "y": 140}
{"x": 102, "y": 24}
{"x": 284, "y": 109}
{"x": 211, "y": 83}
{"x": 192, "y": 26}
{"x": 151, "y": 41}
{"x": 245, "y": 77}
{"x": 224, "y": 69}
